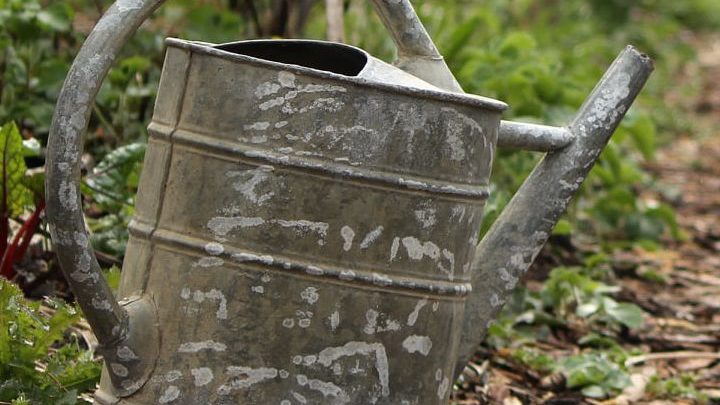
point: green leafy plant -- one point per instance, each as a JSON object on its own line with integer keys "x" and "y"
{"x": 594, "y": 373}
{"x": 18, "y": 192}
{"x": 682, "y": 386}
{"x": 570, "y": 292}
{"x": 112, "y": 187}
{"x": 32, "y": 368}
{"x": 32, "y": 65}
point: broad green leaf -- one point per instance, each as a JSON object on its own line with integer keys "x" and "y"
{"x": 629, "y": 315}
{"x": 12, "y": 171}
{"x": 114, "y": 180}
{"x": 587, "y": 309}
{"x": 594, "y": 391}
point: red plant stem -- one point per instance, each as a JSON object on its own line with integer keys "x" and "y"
{"x": 21, "y": 241}
{"x": 6, "y": 268}
{"x": 4, "y": 208}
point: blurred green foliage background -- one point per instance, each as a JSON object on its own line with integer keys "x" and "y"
{"x": 540, "y": 56}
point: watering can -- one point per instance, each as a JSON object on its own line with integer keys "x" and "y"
{"x": 306, "y": 221}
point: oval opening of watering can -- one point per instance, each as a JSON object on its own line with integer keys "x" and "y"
{"x": 306, "y": 223}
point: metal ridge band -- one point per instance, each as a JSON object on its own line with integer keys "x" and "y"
{"x": 239, "y": 257}
{"x": 466, "y": 192}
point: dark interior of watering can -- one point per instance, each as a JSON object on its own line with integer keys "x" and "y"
{"x": 327, "y": 56}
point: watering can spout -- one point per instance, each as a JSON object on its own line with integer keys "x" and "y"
{"x": 515, "y": 239}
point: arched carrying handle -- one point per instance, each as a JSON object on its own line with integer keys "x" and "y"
{"x": 129, "y": 363}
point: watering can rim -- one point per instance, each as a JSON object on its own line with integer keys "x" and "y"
{"x": 438, "y": 94}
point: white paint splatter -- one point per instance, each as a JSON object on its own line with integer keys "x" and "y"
{"x": 418, "y": 344}
{"x": 119, "y": 370}
{"x": 495, "y": 300}
{"x": 221, "y": 226}
{"x": 286, "y": 79}
{"x": 394, "y": 248}
{"x": 200, "y": 296}
{"x": 194, "y": 347}
{"x": 125, "y": 353}
{"x": 334, "y": 320}
{"x": 328, "y": 389}
{"x": 510, "y": 280}
{"x": 304, "y": 318}
{"x": 371, "y": 237}
{"x": 266, "y": 89}
{"x": 299, "y": 397}
{"x": 328, "y": 355}
{"x": 246, "y": 377}
{"x": 417, "y": 250}
{"x": 203, "y": 376}
{"x": 518, "y": 261}
{"x": 450, "y": 271}
{"x": 172, "y": 375}
{"x": 412, "y": 318}
{"x": 304, "y": 226}
{"x": 248, "y": 180}
{"x": 426, "y": 217}
{"x": 258, "y": 139}
{"x": 443, "y": 388}
{"x": 310, "y": 295}
{"x": 258, "y": 126}
{"x": 171, "y": 393}
{"x": 348, "y": 235}
{"x": 372, "y": 326}
{"x": 208, "y": 261}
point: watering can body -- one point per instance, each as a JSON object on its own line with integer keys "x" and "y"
{"x": 306, "y": 222}
{"x": 305, "y": 231}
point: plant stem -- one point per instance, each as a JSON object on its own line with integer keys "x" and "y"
{"x": 335, "y": 21}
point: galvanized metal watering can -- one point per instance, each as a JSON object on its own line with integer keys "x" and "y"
{"x": 307, "y": 218}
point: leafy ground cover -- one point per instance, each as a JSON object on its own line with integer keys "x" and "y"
{"x": 619, "y": 308}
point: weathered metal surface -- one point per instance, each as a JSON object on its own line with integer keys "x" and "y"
{"x": 67, "y": 226}
{"x": 337, "y": 213}
{"x": 310, "y": 192}
{"x": 516, "y": 237}
{"x": 309, "y": 234}
{"x": 534, "y": 137}
{"x": 416, "y": 52}
{"x": 418, "y": 55}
